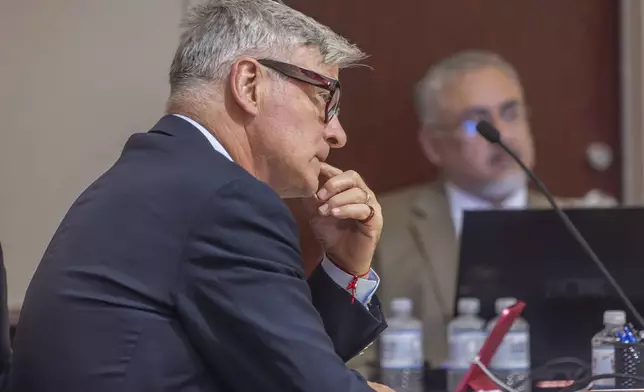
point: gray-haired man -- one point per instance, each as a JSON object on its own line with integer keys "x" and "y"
{"x": 179, "y": 269}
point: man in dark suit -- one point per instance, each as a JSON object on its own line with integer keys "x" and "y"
{"x": 179, "y": 268}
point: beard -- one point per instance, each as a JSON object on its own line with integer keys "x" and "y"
{"x": 502, "y": 188}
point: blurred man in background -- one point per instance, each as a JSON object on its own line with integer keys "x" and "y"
{"x": 418, "y": 252}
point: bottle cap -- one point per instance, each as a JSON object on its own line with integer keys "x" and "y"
{"x": 501, "y": 303}
{"x": 469, "y": 306}
{"x": 614, "y": 317}
{"x": 401, "y": 305}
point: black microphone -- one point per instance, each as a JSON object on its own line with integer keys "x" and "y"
{"x": 492, "y": 135}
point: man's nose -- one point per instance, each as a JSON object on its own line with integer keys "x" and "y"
{"x": 334, "y": 134}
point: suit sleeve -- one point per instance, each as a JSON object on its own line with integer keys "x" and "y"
{"x": 367, "y": 363}
{"x": 246, "y": 306}
{"x": 365, "y": 287}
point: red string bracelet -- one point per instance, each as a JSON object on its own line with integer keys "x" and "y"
{"x": 352, "y": 286}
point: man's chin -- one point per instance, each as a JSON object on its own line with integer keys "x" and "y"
{"x": 306, "y": 189}
{"x": 503, "y": 186}
{"x": 509, "y": 173}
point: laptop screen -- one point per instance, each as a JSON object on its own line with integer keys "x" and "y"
{"x": 529, "y": 255}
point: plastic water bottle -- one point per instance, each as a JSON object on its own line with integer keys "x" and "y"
{"x": 401, "y": 349}
{"x": 465, "y": 336}
{"x": 603, "y": 348}
{"x": 511, "y": 363}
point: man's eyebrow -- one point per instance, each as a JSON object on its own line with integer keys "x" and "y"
{"x": 482, "y": 110}
{"x": 510, "y": 104}
{"x": 476, "y": 110}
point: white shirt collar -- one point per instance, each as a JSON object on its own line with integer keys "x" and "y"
{"x": 460, "y": 201}
{"x": 213, "y": 141}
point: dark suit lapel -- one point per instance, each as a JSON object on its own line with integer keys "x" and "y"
{"x": 434, "y": 234}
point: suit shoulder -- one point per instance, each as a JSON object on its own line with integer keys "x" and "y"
{"x": 593, "y": 199}
{"x": 246, "y": 199}
{"x": 247, "y": 219}
{"x": 260, "y": 195}
{"x": 398, "y": 210}
{"x": 402, "y": 195}
{"x": 397, "y": 205}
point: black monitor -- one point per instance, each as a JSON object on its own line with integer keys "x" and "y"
{"x": 529, "y": 255}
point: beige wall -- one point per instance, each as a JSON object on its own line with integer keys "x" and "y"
{"x": 76, "y": 78}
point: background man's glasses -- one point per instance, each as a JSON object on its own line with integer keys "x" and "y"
{"x": 313, "y": 78}
{"x": 510, "y": 113}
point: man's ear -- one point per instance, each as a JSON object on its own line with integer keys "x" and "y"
{"x": 245, "y": 74}
{"x": 429, "y": 144}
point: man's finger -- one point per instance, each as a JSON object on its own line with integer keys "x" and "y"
{"x": 340, "y": 183}
{"x": 379, "y": 387}
{"x": 351, "y": 211}
{"x": 335, "y": 186}
{"x": 329, "y": 171}
{"x": 350, "y": 196}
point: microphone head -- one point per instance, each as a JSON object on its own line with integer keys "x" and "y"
{"x": 488, "y": 131}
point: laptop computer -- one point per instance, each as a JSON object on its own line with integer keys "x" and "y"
{"x": 529, "y": 255}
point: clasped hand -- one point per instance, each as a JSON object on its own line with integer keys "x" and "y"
{"x": 348, "y": 219}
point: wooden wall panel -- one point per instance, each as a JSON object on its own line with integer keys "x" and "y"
{"x": 567, "y": 53}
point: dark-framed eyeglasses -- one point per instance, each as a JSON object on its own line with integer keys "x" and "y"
{"x": 313, "y": 78}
